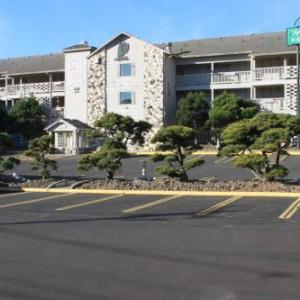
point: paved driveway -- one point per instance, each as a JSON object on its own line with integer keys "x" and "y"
{"x": 214, "y": 168}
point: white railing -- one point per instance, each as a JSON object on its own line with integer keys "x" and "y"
{"x": 214, "y": 78}
{"x": 32, "y": 88}
{"x": 275, "y": 105}
{"x": 232, "y": 77}
{"x": 258, "y": 74}
{"x": 266, "y": 74}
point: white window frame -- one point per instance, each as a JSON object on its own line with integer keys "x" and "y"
{"x": 131, "y": 69}
{"x": 132, "y": 97}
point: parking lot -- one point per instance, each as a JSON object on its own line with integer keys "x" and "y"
{"x": 215, "y": 168}
{"x": 92, "y": 246}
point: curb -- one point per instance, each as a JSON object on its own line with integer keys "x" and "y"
{"x": 159, "y": 193}
{"x": 292, "y": 153}
{"x": 55, "y": 183}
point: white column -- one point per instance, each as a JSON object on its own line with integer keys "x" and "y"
{"x": 75, "y": 140}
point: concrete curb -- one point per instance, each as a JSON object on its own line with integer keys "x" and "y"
{"x": 79, "y": 183}
{"x": 292, "y": 153}
{"x": 159, "y": 193}
{"x": 55, "y": 183}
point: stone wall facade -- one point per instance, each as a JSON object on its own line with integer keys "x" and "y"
{"x": 96, "y": 92}
{"x": 154, "y": 73}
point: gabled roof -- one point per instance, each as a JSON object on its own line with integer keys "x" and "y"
{"x": 84, "y": 46}
{"x": 120, "y": 37}
{"x": 33, "y": 64}
{"x": 74, "y": 123}
{"x": 263, "y": 43}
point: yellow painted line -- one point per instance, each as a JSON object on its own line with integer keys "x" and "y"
{"x": 207, "y": 178}
{"x": 12, "y": 194}
{"x": 167, "y": 193}
{"x": 218, "y": 206}
{"x": 150, "y": 153}
{"x": 223, "y": 160}
{"x": 26, "y": 202}
{"x": 200, "y": 152}
{"x": 291, "y": 210}
{"x": 150, "y": 204}
{"x": 91, "y": 202}
{"x": 283, "y": 157}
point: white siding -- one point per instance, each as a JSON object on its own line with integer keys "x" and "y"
{"x": 76, "y": 85}
{"x": 134, "y": 83}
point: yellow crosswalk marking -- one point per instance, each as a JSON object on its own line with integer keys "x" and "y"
{"x": 291, "y": 210}
{"x": 150, "y": 204}
{"x": 34, "y": 200}
{"x": 89, "y": 202}
{"x": 218, "y": 206}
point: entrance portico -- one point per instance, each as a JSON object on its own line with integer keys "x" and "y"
{"x": 70, "y": 136}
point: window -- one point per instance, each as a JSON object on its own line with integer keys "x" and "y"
{"x": 125, "y": 70}
{"x": 60, "y": 140}
{"x": 126, "y": 98}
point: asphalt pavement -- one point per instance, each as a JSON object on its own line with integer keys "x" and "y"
{"x": 92, "y": 246}
{"x": 214, "y": 168}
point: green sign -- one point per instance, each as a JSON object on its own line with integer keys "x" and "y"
{"x": 293, "y": 36}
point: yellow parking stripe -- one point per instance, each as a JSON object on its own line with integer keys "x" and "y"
{"x": 223, "y": 160}
{"x": 12, "y": 194}
{"x": 89, "y": 202}
{"x": 218, "y": 206}
{"x": 34, "y": 200}
{"x": 149, "y": 204}
{"x": 291, "y": 210}
{"x": 283, "y": 157}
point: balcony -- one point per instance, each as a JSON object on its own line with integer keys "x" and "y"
{"x": 22, "y": 90}
{"x": 277, "y": 105}
{"x": 237, "y": 78}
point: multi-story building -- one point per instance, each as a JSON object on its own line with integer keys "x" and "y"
{"x": 132, "y": 77}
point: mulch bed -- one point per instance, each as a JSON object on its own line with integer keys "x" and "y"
{"x": 169, "y": 184}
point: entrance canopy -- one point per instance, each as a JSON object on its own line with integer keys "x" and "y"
{"x": 70, "y": 136}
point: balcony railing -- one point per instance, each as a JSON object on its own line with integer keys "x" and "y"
{"x": 239, "y": 77}
{"x": 32, "y": 88}
{"x": 272, "y": 73}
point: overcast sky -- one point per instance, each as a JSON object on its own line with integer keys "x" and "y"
{"x": 37, "y": 27}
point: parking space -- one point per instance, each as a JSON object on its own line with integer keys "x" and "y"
{"x": 150, "y": 206}
{"x": 148, "y": 245}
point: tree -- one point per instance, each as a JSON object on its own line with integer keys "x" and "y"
{"x": 259, "y": 143}
{"x": 193, "y": 110}
{"x": 177, "y": 139}
{"x": 228, "y": 108}
{"x": 107, "y": 158}
{"x": 8, "y": 163}
{"x": 117, "y": 132}
{"x": 38, "y": 150}
{"x": 122, "y": 130}
{"x": 3, "y": 119}
{"x": 28, "y": 117}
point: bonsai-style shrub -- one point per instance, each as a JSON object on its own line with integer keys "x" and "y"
{"x": 107, "y": 158}
{"x": 38, "y": 150}
{"x": 117, "y": 132}
{"x": 177, "y": 139}
{"x": 259, "y": 143}
{"x": 6, "y": 163}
